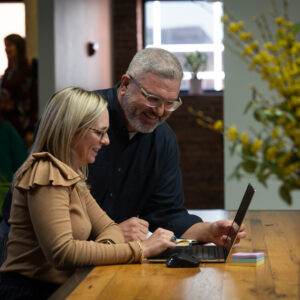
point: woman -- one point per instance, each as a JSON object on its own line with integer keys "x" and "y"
{"x": 18, "y": 98}
{"x": 56, "y": 225}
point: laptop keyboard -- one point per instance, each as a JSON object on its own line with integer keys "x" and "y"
{"x": 205, "y": 252}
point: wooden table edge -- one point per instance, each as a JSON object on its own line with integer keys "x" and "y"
{"x": 69, "y": 286}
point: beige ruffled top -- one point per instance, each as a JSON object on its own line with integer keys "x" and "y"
{"x": 55, "y": 229}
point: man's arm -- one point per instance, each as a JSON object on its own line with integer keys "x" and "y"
{"x": 215, "y": 232}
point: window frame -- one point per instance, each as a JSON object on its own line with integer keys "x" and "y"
{"x": 216, "y": 48}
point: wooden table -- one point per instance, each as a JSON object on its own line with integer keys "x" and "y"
{"x": 276, "y": 233}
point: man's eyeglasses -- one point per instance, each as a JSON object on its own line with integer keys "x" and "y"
{"x": 99, "y": 133}
{"x": 156, "y": 101}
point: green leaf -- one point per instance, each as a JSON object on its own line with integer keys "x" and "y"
{"x": 279, "y": 37}
{"x": 291, "y": 117}
{"x": 235, "y": 173}
{"x": 263, "y": 174}
{"x": 249, "y": 166}
{"x": 284, "y": 193}
{"x": 295, "y": 27}
{"x": 260, "y": 115}
{"x": 254, "y": 93}
{"x": 232, "y": 148}
{"x": 249, "y": 105}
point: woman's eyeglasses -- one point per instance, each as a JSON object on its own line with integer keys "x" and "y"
{"x": 99, "y": 133}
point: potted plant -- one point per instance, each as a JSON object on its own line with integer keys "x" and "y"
{"x": 195, "y": 62}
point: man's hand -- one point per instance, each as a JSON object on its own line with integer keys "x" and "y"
{"x": 220, "y": 229}
{"x": 134, "y": 229}
{"x": 215, "y": 232}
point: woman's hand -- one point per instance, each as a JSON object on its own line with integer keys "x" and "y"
{"x": 160, "y": 240}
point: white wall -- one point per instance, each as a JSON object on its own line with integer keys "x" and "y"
{"x": 64, "y": 29}
{"x": 236, "y": 96}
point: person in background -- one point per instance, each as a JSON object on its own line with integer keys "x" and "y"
{"x": 18, "y": 95}
{"x": 13, "y": 150}
{"x": 56, "y": 225}
{"x": 13, "y": 153}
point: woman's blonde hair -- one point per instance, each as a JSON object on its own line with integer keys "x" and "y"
{"x": 69, "y": 112}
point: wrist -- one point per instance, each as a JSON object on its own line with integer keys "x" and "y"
{"x": 142, "y": 253}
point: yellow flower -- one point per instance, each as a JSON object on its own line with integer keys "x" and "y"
{"x": 200, "y": 122}
{"x": 254, "y": 45}
{"x": 271, "y": 153}
{"x": 281, "y": 144}
{"x": 295, "y": 100}
{"x": 256, "y": 145}
{"x": 288, "y": 24}
{"x": 244, "y": 140}
{"x": 218, "y": 125}
{"x": 224, "y": 18}
{"x": 298, "y": 112}
{"x": 235, "y": 27}
{"x": 270, "y": 46}
{"x": 248, "y": 50}
{"x": 281, "y": 120}
{"x": 200, "y": 113}
{"x": 246, "y": 35}
{"x": 279, "y": 20}
{"x": 282, "y": 43}
{"x": 281, "y": 31}
{"x": 292, "y": 168}
{"x": 283, "y": 159}
{"x": 232, "y": 133}
{"x": 275, "y": 133}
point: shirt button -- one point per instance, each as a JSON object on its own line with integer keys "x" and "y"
{"x": 111, "y": 194}
{"x": 119, "y": 169}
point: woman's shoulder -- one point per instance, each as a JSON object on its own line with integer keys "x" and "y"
{"x": 41, "y": 169}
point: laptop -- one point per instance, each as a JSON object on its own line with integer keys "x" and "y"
{"x": 213, "y": 253}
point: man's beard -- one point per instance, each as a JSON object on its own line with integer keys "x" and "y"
{"x": 133, "y": 118}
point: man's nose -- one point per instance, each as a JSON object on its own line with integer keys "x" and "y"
{"x": 160, "y": 110}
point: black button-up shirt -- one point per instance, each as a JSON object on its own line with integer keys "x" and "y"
{"x": 140, "y": 176}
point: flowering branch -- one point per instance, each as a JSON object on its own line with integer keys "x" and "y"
{"x": 275, "y": 149}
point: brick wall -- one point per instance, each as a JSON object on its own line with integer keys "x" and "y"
{"x": 127, "y": 34}
{"x": 201, "y": 150}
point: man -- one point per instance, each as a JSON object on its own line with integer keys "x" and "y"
{"x": 137, "y": 179}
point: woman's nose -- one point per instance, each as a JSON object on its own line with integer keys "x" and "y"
{"x": 105, "y": 140}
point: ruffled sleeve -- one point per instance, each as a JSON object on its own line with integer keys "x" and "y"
{"x": 42, "y": 169}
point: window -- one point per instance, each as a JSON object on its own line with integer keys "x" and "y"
{"x": 12, "y": 20}
{"x": 187, "y": 26}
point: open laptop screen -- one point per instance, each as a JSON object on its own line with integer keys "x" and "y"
{"x": 239, "y": 217}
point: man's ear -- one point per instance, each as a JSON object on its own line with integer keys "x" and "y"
{"x": 125, "y": 79}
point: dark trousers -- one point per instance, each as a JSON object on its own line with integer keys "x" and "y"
{"x": 14, "y": 286}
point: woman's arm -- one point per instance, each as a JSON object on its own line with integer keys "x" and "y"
{"x": 103, "y": 227}
{"x": 49, "y": 209}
